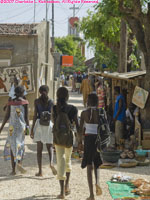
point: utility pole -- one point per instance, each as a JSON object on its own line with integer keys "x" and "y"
{"x": 53, "y": 37}
{"x": 74, "y": 8}
{"x": 46, "y": 43}
{"x": 46, "y": 11}
{"x": 34, "y": 11}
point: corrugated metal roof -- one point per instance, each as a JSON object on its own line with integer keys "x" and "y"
{"x": 116, "y": 75}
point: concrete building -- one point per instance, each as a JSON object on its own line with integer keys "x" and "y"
{"x": 21, "y": 44}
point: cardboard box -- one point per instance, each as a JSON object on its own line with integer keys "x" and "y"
{"x": 146, "y": 144}
{"x": 146, "y": 134}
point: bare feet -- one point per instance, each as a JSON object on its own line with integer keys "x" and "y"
{"x": 54, "y": 171}
{"x": 38, "y": 174}
{"x": 60, "y": 196}
{"x": 12, "y": 173}
{"x": 98, "y": 190}
{"x": 21, "y": 169}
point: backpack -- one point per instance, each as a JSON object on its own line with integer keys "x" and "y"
{"x": 103, "y": 131}
{"x": 62, "y": 132}
{"x": 45, "y": 116}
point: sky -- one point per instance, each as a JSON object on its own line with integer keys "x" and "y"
{"x": 24, "y": 13}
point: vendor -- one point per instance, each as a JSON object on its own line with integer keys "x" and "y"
{"x": 119, "y": 115}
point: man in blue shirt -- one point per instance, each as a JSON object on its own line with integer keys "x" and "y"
{"x": 119, "y": 115}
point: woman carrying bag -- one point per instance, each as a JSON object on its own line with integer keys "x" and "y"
{"x": 41, "y": 131}
{"x": 63, "y": 116}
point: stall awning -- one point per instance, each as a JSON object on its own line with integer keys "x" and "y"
{"x": 122, "y": 76}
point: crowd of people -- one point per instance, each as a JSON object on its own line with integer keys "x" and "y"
{"x": 53, "y": 124}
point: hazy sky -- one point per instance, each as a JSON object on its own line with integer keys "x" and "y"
{"x": 24, "y": 12}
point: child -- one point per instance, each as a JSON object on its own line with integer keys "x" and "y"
{"x": 63, "y": 150}
{"x": 42, "y": 134}
{"x": 17, "y": 114}
{"x": 88, "y": 126}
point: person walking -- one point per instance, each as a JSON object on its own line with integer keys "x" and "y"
{"x": 88, "y": 127}
{"x": 79, "y": 81}
{"x": 62, "y": 77}
{"x": 17, "y": 114}
{"x": 41, "y": 131}
{"x": 63, "y": 116}
{"x": 74, "y": 80}
{"x": 85, "y": 89}
{"x": 119, "y": 115}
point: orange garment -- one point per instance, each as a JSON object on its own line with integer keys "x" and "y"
{"x": 85, "y": 89}
{"x": 2, "y": 86}
{"x": 24, "y": 81}
{"x": 101, "y": 96}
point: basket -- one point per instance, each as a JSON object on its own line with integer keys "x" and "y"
{"x": 140, "y": 158}
{"x": 111, "y": 156}
{"x": 128, "y": 165}
{"x": 145, "y": 163}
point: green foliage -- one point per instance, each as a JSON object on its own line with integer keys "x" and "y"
{"x": 102, "y": 32}
{"x": 71, "y": 46}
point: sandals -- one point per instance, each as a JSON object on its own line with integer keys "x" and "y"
{"x": 54, "y": 171}
{"x": 98, "y": 190}
{"x": 21, "y": 169}
{"x": 90, "y": 198}
{"x": 67, "y": 192}
{"x": 39, "y": 174}
{"x": 60, "y": 196}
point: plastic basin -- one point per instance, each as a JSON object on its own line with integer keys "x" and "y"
{"x": 111, "y": 156}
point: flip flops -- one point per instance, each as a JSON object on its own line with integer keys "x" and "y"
{"x": 98, "y": 190}
{"x": 67, "y": 192}
{"x": 54, "y": 171}
{"x": 21, "y": 169}
{"x": 60, "y": 197}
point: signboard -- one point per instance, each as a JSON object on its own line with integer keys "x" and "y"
{"x": 67, "y": 61}
{"x": 140, "y": 97}
{"x": 23, "y": 72}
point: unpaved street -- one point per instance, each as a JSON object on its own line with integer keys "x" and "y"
{"x": 29, "y": 187}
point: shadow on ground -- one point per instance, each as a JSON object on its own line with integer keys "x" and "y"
{"x": 10, "y": 177}
{"x": 44, "y": 197}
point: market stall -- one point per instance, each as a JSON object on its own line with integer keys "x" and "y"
{"x": 130, "y": 84}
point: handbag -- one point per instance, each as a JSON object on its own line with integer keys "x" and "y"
{"x": 45, "y": 118}
{"x": 103, "y": 131}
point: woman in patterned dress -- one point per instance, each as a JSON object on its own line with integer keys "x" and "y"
{"x": 17, "y": 114}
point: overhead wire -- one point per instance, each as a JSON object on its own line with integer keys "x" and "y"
{"x": 37, "y": 13}
{"x": 19, "y": 14}
{"x": 63, "y": 9}
{"x": 14, "y": 9}
{"x": 79, "y": 8}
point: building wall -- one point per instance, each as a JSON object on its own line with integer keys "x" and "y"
{"x": 45, "y": 61}
{"x": 30, "y": 49}
{"x": 24, "y": 50}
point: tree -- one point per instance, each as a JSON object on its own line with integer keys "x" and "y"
{"x": 137, "y": 15}
{"x": 71, "y": 46}
{"x": 102, "y": 33}
{"x": 101, "y": 29}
